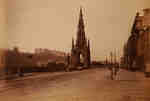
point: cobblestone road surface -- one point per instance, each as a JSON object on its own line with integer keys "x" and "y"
{"x": 86, "y": 85}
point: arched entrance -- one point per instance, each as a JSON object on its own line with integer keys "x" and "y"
{"x": 81, "y": 60}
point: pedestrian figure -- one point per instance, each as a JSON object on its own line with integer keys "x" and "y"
{"x": 20, "y": 72}
{"x": 115, "y": 70}
{"x": 111, "y": 73}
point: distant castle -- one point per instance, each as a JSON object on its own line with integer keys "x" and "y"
{"x": 80, "y": 52}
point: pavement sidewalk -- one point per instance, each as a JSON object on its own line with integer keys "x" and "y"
{"x": 129, "y": 75}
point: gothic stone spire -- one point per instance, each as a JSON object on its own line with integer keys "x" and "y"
{"x": 81, "y": 40}
{"x": 134, "y": 29}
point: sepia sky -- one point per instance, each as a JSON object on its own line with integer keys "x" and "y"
{"x": 52, "y": 23}
{"x": 3, "y": 23}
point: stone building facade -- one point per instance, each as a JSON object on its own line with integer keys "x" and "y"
{"x": 138, "y": 45}
{"x": 2, "y": 62}
{"x": 17, "y": 61}
{"x": 80, "y": 52}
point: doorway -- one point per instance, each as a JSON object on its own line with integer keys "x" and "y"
{"x": 81, "y": 60}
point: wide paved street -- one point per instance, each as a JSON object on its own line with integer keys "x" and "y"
{"x": 86, "y": 85}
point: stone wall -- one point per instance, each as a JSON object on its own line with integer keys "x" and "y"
{"x": 2, "y": 63}
{"x": 143, "y": 40}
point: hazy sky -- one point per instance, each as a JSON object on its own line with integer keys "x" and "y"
{"x": 3, "y": 23}
{"x": 52, "y": 23}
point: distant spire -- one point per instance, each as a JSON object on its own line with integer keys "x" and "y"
{"x": 115, "y": 56}
{"x": 111, "y": 57}
{"x": 81, "y": 21}
{"x": 134, "y": 30}
{"x": 137, "y": 14}
{"x": 81, "y": 12}
{"x": 81, "y": 32}
{"x": 106, "y": 60}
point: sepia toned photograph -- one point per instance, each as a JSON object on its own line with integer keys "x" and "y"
{"x": 74, "y": 50}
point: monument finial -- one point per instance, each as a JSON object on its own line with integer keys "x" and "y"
{"x": 137, "y": 14}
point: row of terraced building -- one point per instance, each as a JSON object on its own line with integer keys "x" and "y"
{"x": 137, "y": 48}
